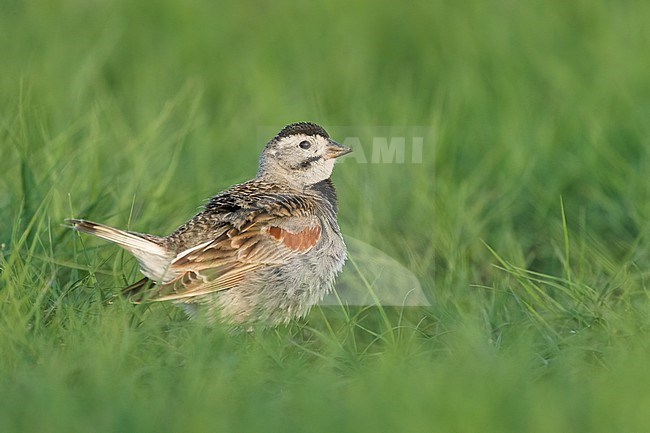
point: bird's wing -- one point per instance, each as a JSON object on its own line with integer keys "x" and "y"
{"x": 236, "y": 254}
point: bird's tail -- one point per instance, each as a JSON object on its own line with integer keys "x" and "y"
{"x": 137, "y": 291}
{"x": 153, "y": 257}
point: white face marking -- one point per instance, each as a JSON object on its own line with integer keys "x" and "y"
{"x": 298, "y": 159}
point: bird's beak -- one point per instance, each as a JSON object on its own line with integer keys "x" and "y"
{"x": 334, "y": 150}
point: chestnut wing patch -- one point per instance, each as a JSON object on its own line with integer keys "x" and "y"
{"x": 301, "y": 241}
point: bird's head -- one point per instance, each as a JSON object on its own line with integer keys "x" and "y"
{"x": 301, "y": 154}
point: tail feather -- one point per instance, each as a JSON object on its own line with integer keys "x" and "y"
{"x": 154, "y": 259}
{"x": 136, "y": 291}
{"x": 128, "y": 240}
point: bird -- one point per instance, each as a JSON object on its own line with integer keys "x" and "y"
{"x": 261, "y": 252}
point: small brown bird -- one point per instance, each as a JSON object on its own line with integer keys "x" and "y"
{"x": 262, "y": 251}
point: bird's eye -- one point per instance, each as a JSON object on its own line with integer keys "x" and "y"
{"x": 305, "y": 145}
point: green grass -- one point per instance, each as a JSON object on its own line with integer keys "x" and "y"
{"x": 527, "y": 222}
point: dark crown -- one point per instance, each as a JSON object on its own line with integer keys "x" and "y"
{"x": 305, "y": 128}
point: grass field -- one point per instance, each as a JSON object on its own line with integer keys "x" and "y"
{"x": 527, "y": 221}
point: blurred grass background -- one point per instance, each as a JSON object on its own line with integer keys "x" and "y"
{"x": 527, "y": 222}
